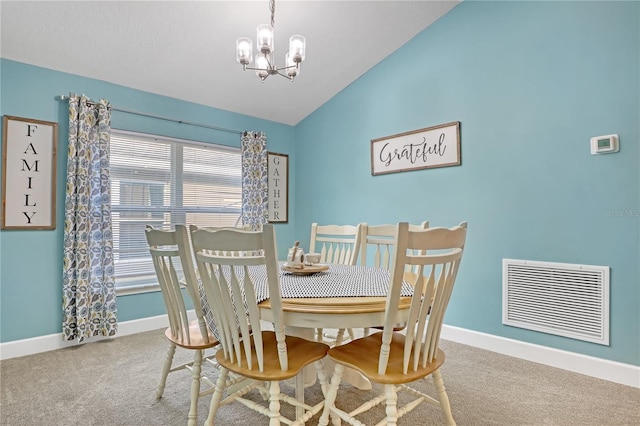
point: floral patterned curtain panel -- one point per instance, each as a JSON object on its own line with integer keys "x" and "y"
{"x": 255, "y": 190}
{"x": 89, "y": 298}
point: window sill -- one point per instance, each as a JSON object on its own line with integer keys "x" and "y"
{"x": 137, "y": 289}
{"x": 141, "y": 288}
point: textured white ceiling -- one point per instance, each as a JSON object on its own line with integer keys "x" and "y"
{"x": 186, "y": 49}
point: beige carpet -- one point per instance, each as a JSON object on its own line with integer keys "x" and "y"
{"x": 113, "y": 383}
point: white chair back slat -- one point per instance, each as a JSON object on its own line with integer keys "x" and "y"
{"x": 224, "y": 305}
{"x": 345, "y": 254}
{"x": 168, "y": 292}
{"x": 326, "y": 255}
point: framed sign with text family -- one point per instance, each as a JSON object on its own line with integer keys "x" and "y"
{"x": 437, "y": 146}
{"x": 28, "y": 173}
{"x": 278, "y": 170}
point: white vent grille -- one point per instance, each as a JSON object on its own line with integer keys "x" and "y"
{"x": 557, "y": 298}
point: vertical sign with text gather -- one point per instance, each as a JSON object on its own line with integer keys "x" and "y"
{"x": 278, "y": 170}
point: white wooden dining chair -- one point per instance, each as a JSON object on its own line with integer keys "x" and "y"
{"x": 174, "y": 268}
{"x": 247, "y": 347}
{"x": 381, "y": 240}
{"x": 396, "y": 359}
{"x": 336, "y": 244}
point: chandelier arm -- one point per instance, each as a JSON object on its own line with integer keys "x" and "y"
{"x": 285, "y": 68}
{"x": 276, "y": 69}
{"x": 290, "y": 78}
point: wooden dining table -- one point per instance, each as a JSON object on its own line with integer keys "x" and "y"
{"x": 335, "y": 312}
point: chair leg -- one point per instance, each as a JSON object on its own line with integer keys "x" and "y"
{"x": 322, "y": 377}
{"x": 195, "y": 388}
{"x": 352, "y": 334}
{"x": 217, "y": 396}
{"x": 443, "y": 397}
{"x": 274, "y": 403}
{"x": 165, "y": 370}
{"x": 330, "y": 397}
{"x": 391, "y": 398}
{"x": 263, "y": 393}
{"x": 340, "y": 335}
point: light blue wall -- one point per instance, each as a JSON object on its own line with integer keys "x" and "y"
{"x": 31, "y": 261}
{"x": 530, "y": 83}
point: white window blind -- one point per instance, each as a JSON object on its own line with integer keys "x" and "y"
{"x": 162, "y": 182}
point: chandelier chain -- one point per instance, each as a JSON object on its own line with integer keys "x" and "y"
{"x": 272, "y": 8}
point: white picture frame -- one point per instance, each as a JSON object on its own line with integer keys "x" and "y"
{"x": 278, "y": 175}
{"x": 29, "y": 150}
{"x": 436, "y": 146}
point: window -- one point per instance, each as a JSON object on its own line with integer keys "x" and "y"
{"x": 162, "y": 182}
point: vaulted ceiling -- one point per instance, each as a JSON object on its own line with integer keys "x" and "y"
{"x": 186, "y": 49}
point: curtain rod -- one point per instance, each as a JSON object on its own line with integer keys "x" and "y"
{"x": 143, "y": 114}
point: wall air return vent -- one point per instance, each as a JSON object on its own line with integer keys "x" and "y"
{"x": 557, "y": 298}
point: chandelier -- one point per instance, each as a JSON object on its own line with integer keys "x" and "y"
{"x": 265, "y": 64}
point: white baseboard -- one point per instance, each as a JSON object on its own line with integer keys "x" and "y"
{"x": 617, "y": 372}
{"x": 55, "y": 341}
{"x": 612, "y": 371}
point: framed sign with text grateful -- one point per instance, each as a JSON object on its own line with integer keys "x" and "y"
{"x": 28, "y": 173}
{"x": 437, "y": 146}
{"x": 278, "y": 170}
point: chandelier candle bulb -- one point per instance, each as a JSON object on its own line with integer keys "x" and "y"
{"x": 297, "y": 47}
{"x": 244, "y": 50}
{"x": 292, "y": 67}
{"x": 262, "y": 67}
{"x": 265, "y": 38}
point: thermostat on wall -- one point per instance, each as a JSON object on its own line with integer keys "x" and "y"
{"x": 604, "y": 144}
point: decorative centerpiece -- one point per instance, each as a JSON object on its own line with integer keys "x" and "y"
{"x": 300, "y": 264}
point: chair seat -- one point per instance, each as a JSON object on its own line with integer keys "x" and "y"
{"x": 196, "y": 341}
{"x": 363, "y": 354}
{"x": 301, "y": 352}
